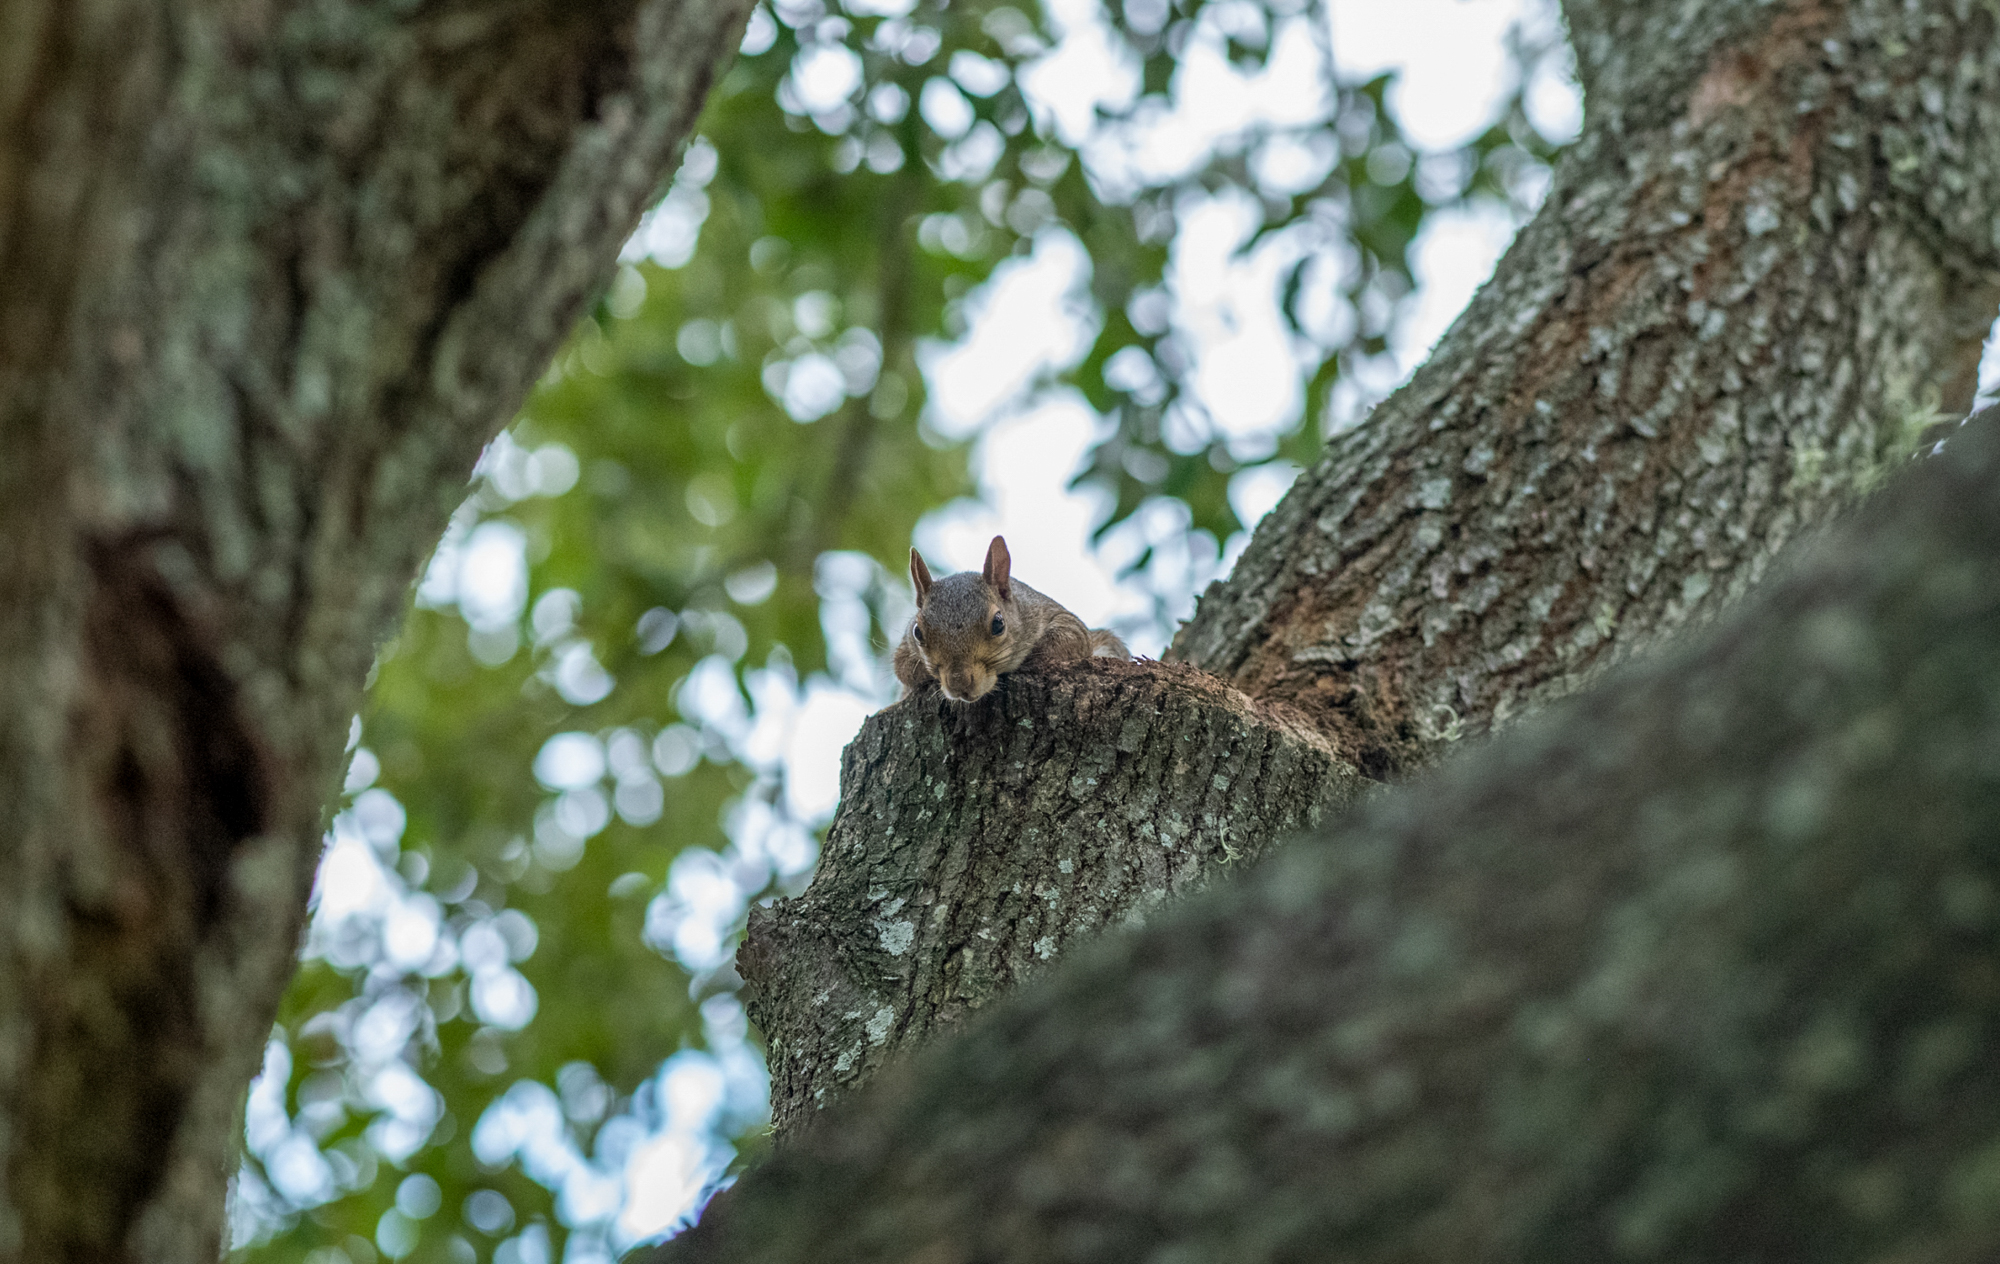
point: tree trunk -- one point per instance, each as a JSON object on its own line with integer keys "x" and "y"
{"x": 1700, "y": 966}
{"x": 1758, "y": 275}
{"x": 274, "y": 274}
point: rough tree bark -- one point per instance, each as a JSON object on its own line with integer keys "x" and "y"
{"x": 975, "y": 843}
{"x": 273, "y": 275}
{"x": 1703, "y": 965}
{"x": 1766, "y": 262}
{"x": 1761, "y": 271}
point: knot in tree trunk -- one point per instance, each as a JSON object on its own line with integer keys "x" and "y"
{"x": 975, "y": 842}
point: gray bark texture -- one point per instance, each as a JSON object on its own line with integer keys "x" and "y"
{"x": 1762, "y": 269}
{"x": 975, "y": 842}
{"x": 1759, "y": 275}
{"x": 273, "y": 274}
{"x": 1703, "y": 965}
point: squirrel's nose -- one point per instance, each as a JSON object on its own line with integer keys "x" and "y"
{"x": 965, "y": 686}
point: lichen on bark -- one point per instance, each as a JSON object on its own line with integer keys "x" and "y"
{"x": 1737, "y": 306}
{"x": 1736, "y": 311}
{"x": 975, "y": 843}
{"x": 274, "y": 275}
{"x": 1695, "y": 966}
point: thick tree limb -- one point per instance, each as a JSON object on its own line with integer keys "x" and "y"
{"x": 1759, "y": 273}
{"x": 1723, "y": 326}
{"x": 274, "y": 275}
{"x": 975, "y": 843}
{"x": 1699, "y": 966}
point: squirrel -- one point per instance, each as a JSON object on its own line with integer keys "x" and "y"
{"x": 972, "y": 629}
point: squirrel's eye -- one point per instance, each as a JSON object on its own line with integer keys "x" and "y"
{"x": 998, "y": 626}
{"x": 917, "y": 630}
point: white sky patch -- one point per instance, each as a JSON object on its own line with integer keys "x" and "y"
{"x": 1450, "y": 55}
{"x": 411, "y": 932}
{"x": 669, "y": 1174}
{"x": 945, "y": 108}
{"x": 1454, "y": 254}
{"x": 827, "y": 721}
{"x": 493, "y": 574}
{"x": 1553, "y": 101}
{"x": 807, "y": 388}
{"x": 570, "y": 761}
{"x": 1255, "y": 490}
{"x": 351, "y": 877}
{"x": 1246, "y": 372}
{"x": 516, "y": 472}
{"x": 825, "y": 75}
{"x": 1089, "y": 67}
{"x": 1031, "y": 316}
{"x": 665, "y": 1178}
{"x": 1210, "y": 101}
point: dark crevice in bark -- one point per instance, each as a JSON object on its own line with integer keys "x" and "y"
{"x": 177, "y": 779}
{"x": 156, "y": 671}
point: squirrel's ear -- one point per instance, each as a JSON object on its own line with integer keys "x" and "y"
{"x": 998, "y": 566}
{"x": 920, "y": 575}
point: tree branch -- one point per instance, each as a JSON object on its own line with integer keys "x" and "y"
{"x": 1720, "y": 330}
{"x": 975, "y": 844}
{"x": 1697, "y": 966}
{"x": 1751, "y": 285}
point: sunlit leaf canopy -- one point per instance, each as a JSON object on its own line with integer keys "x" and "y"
{"x": 515, "y": 1034}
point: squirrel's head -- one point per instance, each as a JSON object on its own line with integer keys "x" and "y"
{"x": 962, "y": 626}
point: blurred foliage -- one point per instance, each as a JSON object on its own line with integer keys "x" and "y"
{"x": 571, "y": 757}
